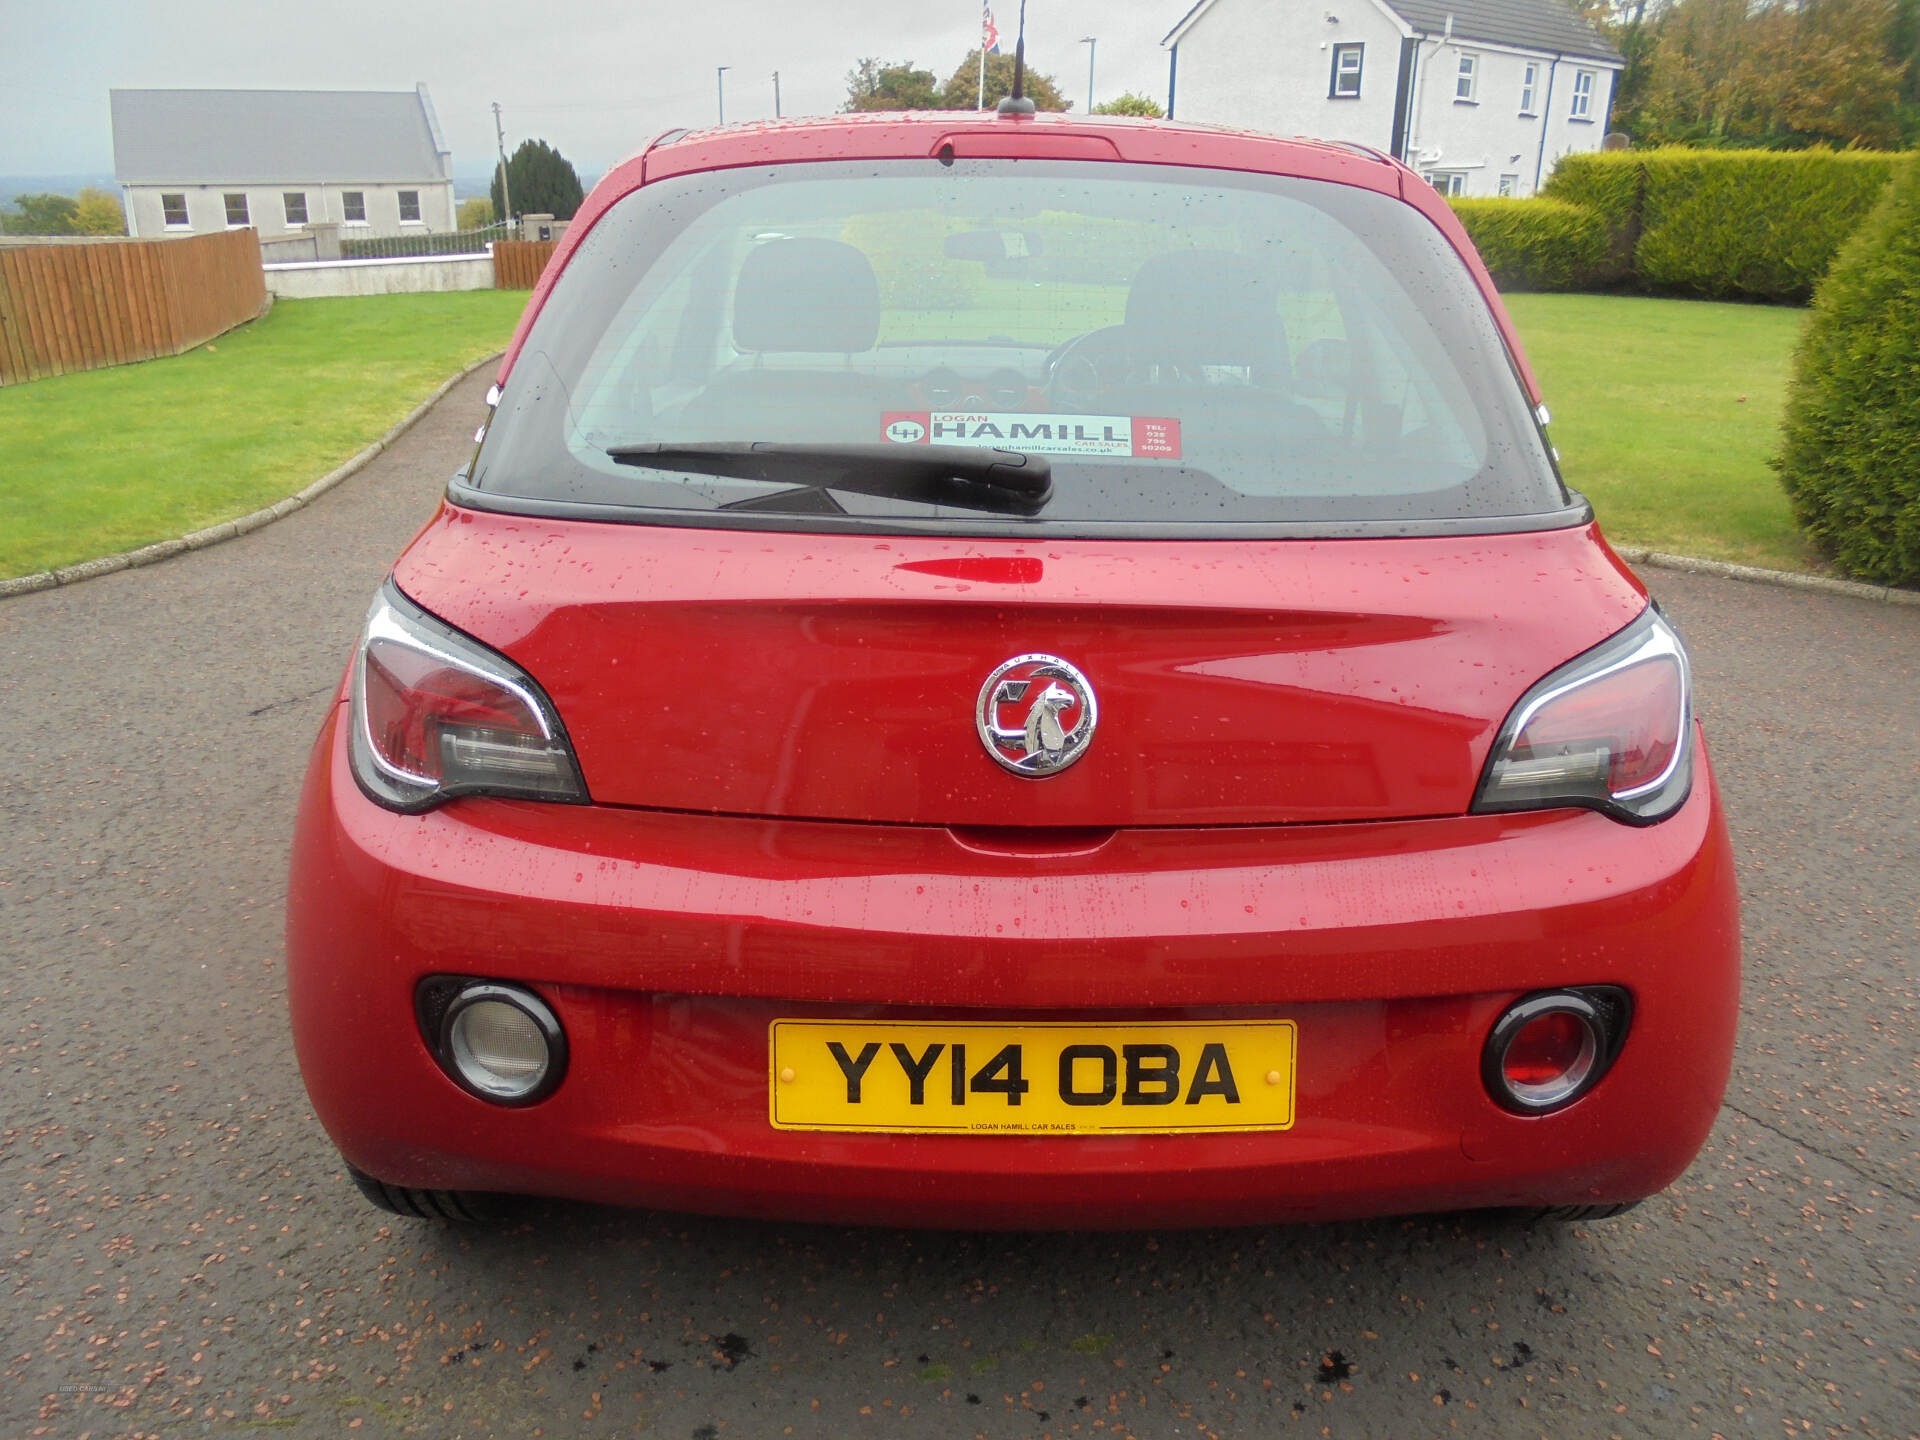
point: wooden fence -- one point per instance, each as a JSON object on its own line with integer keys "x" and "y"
{"x": 517, "y": 263}
{"x": 68, "y": 307}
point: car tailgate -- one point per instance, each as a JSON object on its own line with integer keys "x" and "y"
{"x": 1244, "y": 681}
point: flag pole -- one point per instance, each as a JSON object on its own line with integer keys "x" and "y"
{"x": 981, "y": 103}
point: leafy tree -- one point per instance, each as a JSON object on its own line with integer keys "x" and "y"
{"x": 1782, "y": 73}
{"x": 474, "y": 214}
{"x": 43, "y": 215}
{"x": 963, "y": 90}
{"x": 98, "y": 212}
{"x": 1700, "y": 83}
{"x": 1904, "y": 42}
{"x": 1846, "y": 89}
{"x": 1634, "y": 29}
{"x": 890, "y": 85}
{"x": 542, "y": 182}
{"x": 1131, "y": 104}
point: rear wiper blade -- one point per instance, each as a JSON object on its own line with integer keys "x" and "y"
{"x": 964, "y": 477}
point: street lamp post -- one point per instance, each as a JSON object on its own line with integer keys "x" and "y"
{"x": 506, "y": 193}
{"x": 720, "y": 82}
{"x": 776, "y": 94}
{"x": 1091, "y": 42}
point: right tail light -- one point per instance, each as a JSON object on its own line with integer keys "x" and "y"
{"x": 1610, "y": 730}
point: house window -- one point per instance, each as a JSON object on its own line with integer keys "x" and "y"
{"x": 237, "y": 210}
{"x": 353, "y": 206}
{"x": 1346, "y": 72}
{"x": 1582, "y": 96}
{"x": 1467, "y": 80}
{"x": 173, "y": 209}
{"x": 1509, "y": 184}
{"x": 1529, "y": 83}
{"x": 409, "y": 207}
{"x": 1448, "y": 182}
{"x": 296, "y": 203}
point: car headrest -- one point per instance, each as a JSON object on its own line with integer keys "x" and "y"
{"x": 806, "y": 294}
{"x": 1210, "y": 304}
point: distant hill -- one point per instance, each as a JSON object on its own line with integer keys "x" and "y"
{"x": 470, "y": 183}
{"x": 12, "y": 185}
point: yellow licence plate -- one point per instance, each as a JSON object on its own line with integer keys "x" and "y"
{"x": 1042, "y": 1078}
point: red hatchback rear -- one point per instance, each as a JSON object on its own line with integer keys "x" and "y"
{"x": 997, "y": 671}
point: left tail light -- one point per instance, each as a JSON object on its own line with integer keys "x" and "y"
{"x": 436, "y": 714}
{"x": 1610, "y": 730}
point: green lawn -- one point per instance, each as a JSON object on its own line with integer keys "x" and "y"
{"x": 1664, "y": 413}
{"x": 113, "y": 459}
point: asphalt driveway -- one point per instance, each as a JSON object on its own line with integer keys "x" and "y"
{"x": 183, "y": 1253}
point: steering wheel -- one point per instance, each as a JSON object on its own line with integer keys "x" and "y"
{"x": 1082, "y": 371}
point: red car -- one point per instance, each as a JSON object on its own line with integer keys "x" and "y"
{"x": 1004, "y": 671}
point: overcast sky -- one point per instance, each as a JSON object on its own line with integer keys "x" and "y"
{"x": 595, "y": 80}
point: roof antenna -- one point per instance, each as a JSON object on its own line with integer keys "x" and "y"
{"x": 1017, "y": 103}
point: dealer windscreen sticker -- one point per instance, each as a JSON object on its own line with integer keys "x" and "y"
{"x": 1132, "y": 436}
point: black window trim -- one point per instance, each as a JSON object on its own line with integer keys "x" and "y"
{"x": 1578, "y": 511}
{"x": 1334, "y": 92}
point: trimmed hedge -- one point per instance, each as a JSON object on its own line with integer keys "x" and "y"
{"x": 1728, "y": 224}
{"x": 1762, "y": 223}
{"x": 1535, "y": 244}
{"x": 1850, "y": 454}
{"x": 1609, "y": 183}
{"x": 909, "y": 259}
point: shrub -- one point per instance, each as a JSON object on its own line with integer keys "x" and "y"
{"x": 1731, "y": 224}
{"x": 1850, "y": 453}
{"x": 1609, "y": 183}
{"x": 1535, "y": 244}
{"x": 1763, "y": 224}
{"x": 1131, "y": 103}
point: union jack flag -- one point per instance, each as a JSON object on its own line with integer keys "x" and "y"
{"x": 989, "y": 32}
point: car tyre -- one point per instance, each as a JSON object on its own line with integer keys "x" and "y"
{"x": 466, "y": 1207}
{"x": 1567, "y": 1214}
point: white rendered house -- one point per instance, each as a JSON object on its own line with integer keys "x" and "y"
{"x": 194, "y": 161}
{"x": 1480, "y": 96}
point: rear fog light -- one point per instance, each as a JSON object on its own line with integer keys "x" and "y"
{"x": 1552, "y": 1047}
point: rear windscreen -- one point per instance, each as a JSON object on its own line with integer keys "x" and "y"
{"x": 1186, "y": 347}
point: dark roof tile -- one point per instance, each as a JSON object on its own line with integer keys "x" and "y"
{"x": 266, "y": 137}
{"x": 1549, "y": 25}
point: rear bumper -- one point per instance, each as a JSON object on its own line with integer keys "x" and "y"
{"x": 667, "y": 943}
